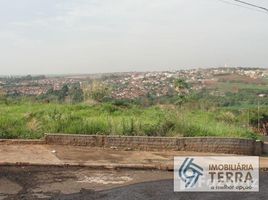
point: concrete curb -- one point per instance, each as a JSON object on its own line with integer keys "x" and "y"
{"x": 98, "y": 166}
{"x": 21, "y": 142}
{"x": 92, "y": 166}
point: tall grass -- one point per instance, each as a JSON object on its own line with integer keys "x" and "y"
{"x": 33, "y": 120}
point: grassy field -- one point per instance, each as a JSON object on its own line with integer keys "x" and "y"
{"x": 229, "y": 87}
{"x": 32, "y": 120}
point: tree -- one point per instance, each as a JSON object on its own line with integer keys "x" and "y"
{"x": 2, "y": 95}
{"x": 99, "y": 91}
{"x": 63, "y": 93}
{"x": 181, "y": 84}
{"x": 76, "y": 93}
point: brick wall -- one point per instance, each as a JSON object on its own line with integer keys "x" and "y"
{"x": 200, "y": 144}
{"x": 265, "y": 148}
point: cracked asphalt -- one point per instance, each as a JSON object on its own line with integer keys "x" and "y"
{"x": 75, "y": 183}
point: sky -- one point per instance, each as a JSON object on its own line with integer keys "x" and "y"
{"x": 92, "y": 36}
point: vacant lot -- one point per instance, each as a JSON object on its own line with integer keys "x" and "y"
{"x": 32, "y": 120}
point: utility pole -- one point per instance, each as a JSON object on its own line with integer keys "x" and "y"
{"x": 248, "y": 118}
{"x": 259, "y": 96}
{"x": 258, "y": 115}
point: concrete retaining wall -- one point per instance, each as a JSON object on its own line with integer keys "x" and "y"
{"x": 202, "y": 144}
{"x": 265, "y": 148}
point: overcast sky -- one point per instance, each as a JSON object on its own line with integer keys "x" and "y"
{"x": 89, "y": 36}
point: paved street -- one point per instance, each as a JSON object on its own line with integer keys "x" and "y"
{"x": 33, "y": 183}
{"x": 40, "y": 172}
{"x": 66, "y": 183}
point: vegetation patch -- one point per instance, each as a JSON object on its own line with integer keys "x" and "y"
{"x": 32, "y": 120}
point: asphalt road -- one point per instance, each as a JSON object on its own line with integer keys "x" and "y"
{"x": 80, "y": 183}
